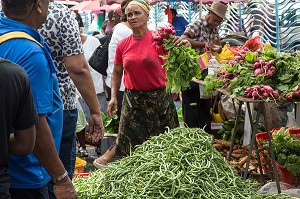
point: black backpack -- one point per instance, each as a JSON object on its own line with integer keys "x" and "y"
{"x": 99, "y": 60}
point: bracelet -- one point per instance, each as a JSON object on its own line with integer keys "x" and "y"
{"x": 187, "y": 34}
{"x": 60, "y": 178}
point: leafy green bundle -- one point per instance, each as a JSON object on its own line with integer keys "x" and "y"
{"x": 286, "y": 149}
{"x": 181, "y": 61}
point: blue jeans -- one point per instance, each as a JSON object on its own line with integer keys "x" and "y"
{"x": 67, "y": 151}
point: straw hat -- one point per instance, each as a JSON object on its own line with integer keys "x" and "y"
{"x": 219, "y": 9}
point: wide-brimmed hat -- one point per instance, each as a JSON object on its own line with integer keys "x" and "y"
{"x": 219, "y": 9}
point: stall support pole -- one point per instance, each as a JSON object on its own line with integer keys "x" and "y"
{"x": 235, "y": 130}
{"x": 253, "y": 133}
{"x": 272, "y": 153}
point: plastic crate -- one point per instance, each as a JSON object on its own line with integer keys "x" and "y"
{"x": 286, "y": 177}
{"x": 77, "y": 175}
{"x": 79, "y": 165}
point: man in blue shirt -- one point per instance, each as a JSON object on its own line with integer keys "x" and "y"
{"x": 178, "y": 22}
{"x": 30, "y": 174}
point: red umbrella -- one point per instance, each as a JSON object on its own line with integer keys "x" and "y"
{"x": 90, "y": 6}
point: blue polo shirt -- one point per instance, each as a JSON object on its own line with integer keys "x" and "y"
{"x": 26, "y": 171}
{"x": 179, "y": 24}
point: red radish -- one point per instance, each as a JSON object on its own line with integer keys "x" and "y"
{"x": 288, "y": 96}
{"x": 249, "y": 95}
{"x": 159, "y": 38}
{"x": 272, "y": 68}
{"x": 270, "y": 74}
{"x": 297, "y": 93}
{"x": 272, "y": 62}
{"x": 173, "y": 32}
{"x": 248, "y": 89}
{"x": 258, "y": 71}
{"x": 242, "y": 51}
{"x": 265, "y": 95}
{"x": 265, "y": 67}
{"x": 246, "y": 49}
{"x": 268, "y": 88}
{"x": 256, "y": 87}
{"x": 165, "y": 35}
{"x": 261, "y": 61}
{"x": 275, "y": 94}
{"x": 168, "y": 30}
{"x": 255, "y": 95}
{"x": 256, "y": 65}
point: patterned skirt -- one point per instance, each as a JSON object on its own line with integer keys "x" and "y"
{"x": 144, "y": 114}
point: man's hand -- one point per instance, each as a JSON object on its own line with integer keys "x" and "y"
{"x": 65, "y": 189}
{"x": 96, "y": 128}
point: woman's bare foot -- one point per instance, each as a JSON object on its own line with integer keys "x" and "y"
{"x": 106, "y": 158}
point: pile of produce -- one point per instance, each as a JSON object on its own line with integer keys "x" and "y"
{"x": 286, "y": 149}
{"x": 228, "y": 127}
{"x": 181, "y": 61}
{"x": 268, "y": 75}
{"x": 181, "y": 163}
{"x": 238, "y": 157}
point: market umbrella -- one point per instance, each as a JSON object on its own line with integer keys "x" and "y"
{"x": 90, "y": 6}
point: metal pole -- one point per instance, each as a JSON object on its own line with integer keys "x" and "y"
{"x": 200, "y": 8}
{"x": 277, "y": 25}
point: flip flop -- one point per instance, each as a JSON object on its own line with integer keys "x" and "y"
{"x": 98, "y": 165}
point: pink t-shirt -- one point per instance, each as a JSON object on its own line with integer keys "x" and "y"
{"x": 141, "y": 62}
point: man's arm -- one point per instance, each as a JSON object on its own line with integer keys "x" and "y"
{"x": 22, "y": 141}
{"x": 79, "y": 72}
{"x": 47, "y": 155}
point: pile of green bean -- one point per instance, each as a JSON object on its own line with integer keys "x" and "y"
{"x": 180, "y": 163}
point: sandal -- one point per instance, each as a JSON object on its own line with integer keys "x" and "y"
{"x": 83, "y": 152}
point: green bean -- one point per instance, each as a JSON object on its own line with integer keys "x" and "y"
{"x": 179, "y": 164}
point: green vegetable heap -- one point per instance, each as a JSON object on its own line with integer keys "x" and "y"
{"x": 182, "y": 61}
{"x": 286, "y": 149}
{"x": 180, "y": 163}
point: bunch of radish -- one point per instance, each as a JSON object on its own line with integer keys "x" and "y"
{"x": 224, "y": 74}
{"x": 256, "y": 92}
{"x": 294, "y": 95}
{"x": 163, "y": 33}
{"x": 264, "y": 67}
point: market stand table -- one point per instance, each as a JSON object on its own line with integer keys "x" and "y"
{"x": 261, "y": 111}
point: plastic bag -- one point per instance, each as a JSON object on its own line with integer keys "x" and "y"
{"x": 207, "y": 56}
{"x": 81, "y": 120}
{"x": 271, "y": 188}
{"x": 226, "y": 54}
{"x": 291, "y": 122}
{"x": 254, "y": 44}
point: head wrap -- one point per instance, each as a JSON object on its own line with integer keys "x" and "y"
{"x": 142, "y": 3}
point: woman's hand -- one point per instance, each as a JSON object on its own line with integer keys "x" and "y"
{"x": 112, "y": 106}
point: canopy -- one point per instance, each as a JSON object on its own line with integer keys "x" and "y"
{"x": 90, "y": 6}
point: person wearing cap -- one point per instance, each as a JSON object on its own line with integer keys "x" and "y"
{"x": 147, "y": 108}
{"x": 31, "y": 173}
{"x": 202, "y": 33}
{"x": 178, "y": 22}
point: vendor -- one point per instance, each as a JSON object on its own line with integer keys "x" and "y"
{"x": 201, "y": 33}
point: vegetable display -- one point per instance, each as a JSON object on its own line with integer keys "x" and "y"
{"x": 181, "y": 61}
{"x": 181, "y": 163}
{"x": 268, "y": 75}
